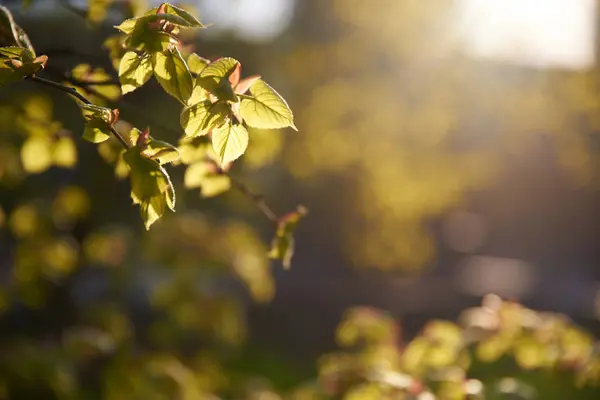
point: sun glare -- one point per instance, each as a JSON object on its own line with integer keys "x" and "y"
{"x": 536, "y": 33}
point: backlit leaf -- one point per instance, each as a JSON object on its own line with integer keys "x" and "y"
{"x": 214, "y": 78}
{"x": 190, "y": 20}
{"x": 173, "y": 75}
{"x": 134, "y": 71}
{"x": 229, "y": 141}
{"x": 282, "y": 246}
{"x": 151, "y": 186}
{"x": 200, "y": 118}
{"x": 96, "y": 131}
{"x": 158, "y": 150}
{"x": 196, "y": 63}
{"x": 266, "y": 108}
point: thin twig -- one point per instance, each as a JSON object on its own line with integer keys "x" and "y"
{"x": 256, "y": 198}
{"x": 80, "y": 97}
{"x": 59, "y": 86}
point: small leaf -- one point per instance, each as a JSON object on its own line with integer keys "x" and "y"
{"x": 200, "y": 118}
{"x": 96, "y": 131}
{"x": 158, "y": 150}
{"x": 151, "y": 186}
{"x": 220, "y": 68}
{"x": 236, "y": 75}
{"x": 215, "y": 78}
{"x": 282, "y": 247}
{"x": 190, "y": 20}
{"x": 173, "y": 75}
{"x": 134, "y": 71}
{"x": 127, "y": 26}
{"x": 17, "y": 53}
{"x": 196, "y": 63}
{"x": 229, "y": 141}
{"x": 17, "y": 63}
{"x": 245, "y": 84}
{"x": 266, "y": 109}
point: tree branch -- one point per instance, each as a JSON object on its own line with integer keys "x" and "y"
{"x": 257, "y": 198}
{"x": 71, "y": 91}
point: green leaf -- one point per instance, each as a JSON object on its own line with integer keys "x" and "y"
{"x": 134, "y": 71}
{"x": 200, "y": 118}
{"x": 149, "y": 40}
{"x": 221, "y": 68}
{"x": 229, "y": 141}
{"x": 173, "y": 75}
{"x": 98, "y": 122}
{"x": 17, "y": 63}
{"x": 18, "y": 53}
{"x": 196, "y": 63}
{"x": 266, "y": 108}
{"x": 282, "y": 247}
{"x": 215, "y": 78}
{"x": 128, "y": 26}
{"x": 189, "y": 19}
{"x": 96, "y": 131}
{"x": 151, "y": 186}
{"x": 158, "y": 150}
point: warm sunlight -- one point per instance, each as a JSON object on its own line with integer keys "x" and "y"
{"x": 537, "y": 33}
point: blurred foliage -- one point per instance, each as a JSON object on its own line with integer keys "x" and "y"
{"x": 426, "y": 124}
{"x": 377, "y": 363}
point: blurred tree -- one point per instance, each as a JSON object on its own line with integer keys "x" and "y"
{"x": 395, "y": 108}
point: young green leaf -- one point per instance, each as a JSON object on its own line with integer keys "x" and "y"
{"x": 134, "y": 71}
{"x": 17, "y": 63}
{"x": 189, "y": 20}
{"x": 266, "y": 108}
{"x": 157, "y": 150}
{"x": 215, "y": 78}
{"x": 196, "y": 63}
{"x": 282, "y": 247}
{"x": 200, "y": 118}
{"x": 98, "y": 122}
{"x": 173, "y": 74}
{"x": 229, "y": 141}
{"x": 96, "y": 131}
{"x": 151, "y": 186}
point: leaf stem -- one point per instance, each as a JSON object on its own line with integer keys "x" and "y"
{"x": 71, "y": 91}
{"x": 256, "y": 198}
